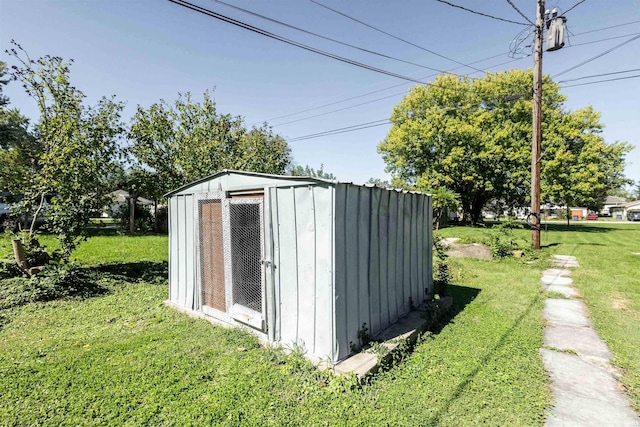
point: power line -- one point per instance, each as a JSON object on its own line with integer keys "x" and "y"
{"x": 521, "y": 14}
{"x": 341, "y": 109}
{"x": 433, "y": 85}
{"x": 597, "y": 56}
{"x": 603, "y": 40}
{"x": 377, "y": 91}
{"x": 572, "y": 7}
{"x": 265, "y": 33}
{"x": 337, "y": 131}
{"x": 482, "y": 14}
{"x": 293, "y": 27}
{"x": 598, "y": 75}
{"x": 393, "y": 36}
{"x": 606, "y": 28}
{"x": 603, "y": 81}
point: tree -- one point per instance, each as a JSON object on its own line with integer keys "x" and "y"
{"x": 17, "y": 145}
{"x": 579, "y": 168}
{"x": 188, "y": 140}
{"x": 77, "y": 150}
{"x": 474, "y": 139}
{"x": 299, "y": 170}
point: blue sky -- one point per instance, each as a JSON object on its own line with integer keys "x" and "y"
{"x": 145, "y": 50}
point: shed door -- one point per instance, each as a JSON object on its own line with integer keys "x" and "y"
{"x": 212, "y": 254}
{"x": 245, "y": 249}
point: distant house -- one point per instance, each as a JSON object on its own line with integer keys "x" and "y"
{"x": 121, "y": 197}
{"x": 614, "y": 207}
{"x": 630, "y": 206}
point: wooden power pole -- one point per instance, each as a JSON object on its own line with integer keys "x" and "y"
{"x": 537, "y": 125}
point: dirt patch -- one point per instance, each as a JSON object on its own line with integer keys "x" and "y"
{"x": 474, "y": 250}
{"x": 620, "y": 304}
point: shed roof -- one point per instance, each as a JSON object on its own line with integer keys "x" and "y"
{"x": 256, "y": 174}
{"x": 300, "y": 179}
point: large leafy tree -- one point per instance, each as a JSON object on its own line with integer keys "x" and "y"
{"x": 77, "y": 150}
{"x": 190, "y": 140}
{"x": 473, "y": 137}
{"x": 578, "y": 167}
{"x": 17, "y": 145}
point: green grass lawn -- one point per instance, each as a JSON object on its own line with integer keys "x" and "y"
{"x": 125, "y": 358}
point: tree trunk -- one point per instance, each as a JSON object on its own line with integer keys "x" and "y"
{"x": 132, "y": 214}
{"x": 568, "y": 216}
{"x": 155, "y": 216}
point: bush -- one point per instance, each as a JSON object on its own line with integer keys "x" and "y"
{"x": 442, "y": 274}
{"x": 55, "y": 281}
{"x": 143, "y": 218}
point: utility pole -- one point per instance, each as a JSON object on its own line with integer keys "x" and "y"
{"x": 537, "y": 125}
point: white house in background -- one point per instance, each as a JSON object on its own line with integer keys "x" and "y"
{"x": 121, "y": 197}
{"x": 613, "y": 207}
{"x": 630, "y": 207}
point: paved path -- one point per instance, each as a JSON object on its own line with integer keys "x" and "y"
{"x": 586, "y": 392}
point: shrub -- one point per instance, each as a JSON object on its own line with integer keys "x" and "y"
{"x": 143, "y": 218}
{"x": 442, "y": 275}
{"x": 55, "y": 281}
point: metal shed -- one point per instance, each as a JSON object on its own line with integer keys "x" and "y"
{"x": 299, "y": 261}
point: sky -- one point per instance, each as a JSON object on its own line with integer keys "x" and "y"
{"x": 142, "y": 51}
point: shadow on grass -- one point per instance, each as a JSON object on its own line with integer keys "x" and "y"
{"x": 75, "y": 283}
{"x": 545, "y": 226}
{"x": 462, "y": 296}
{"x": 144, "y": 271}
{"x": 461, "y": 387}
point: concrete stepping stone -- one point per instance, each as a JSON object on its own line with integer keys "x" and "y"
{"x": 583, "y": 341}
{"x": 565, "y": 261}
{"x": 570, "y": 312}
{"x": 556, "y": 272}
{"x": 556, "y": 280}
{"x": 585, "y": 394}
{"x": 567, "y": 291}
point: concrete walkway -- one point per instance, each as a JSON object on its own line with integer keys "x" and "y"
{"x": 586, "y": 392}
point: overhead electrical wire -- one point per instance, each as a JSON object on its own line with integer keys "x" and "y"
{"x": 593, "y": 58}
{"x": 369, "y": 93}
{"x": 367, "y": 125}
{"x": 265, "y": 33}
{"x": 520, "y": 13}
{"x": 572, "y": 7}
{"x": 403, "y": 84}
{"x": 603, "y": 40}
{"x": 386, "y": 97}
{"x": 393, "y": 36}
{"x": 482, "y": 14}
{"x": 603, "y": 81}
{"x": 293, "y": 27}
{"x": 606, "y": 28}
{"x": 337, "y": 131}
{"x": 366, "y": 102}
{"x": 598, "y": 75}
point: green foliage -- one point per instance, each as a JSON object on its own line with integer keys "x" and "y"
{"x": 299, "y": 170}
{"x": 442, "y": 274}
{"x": 77, "y": 149}
{"x": 464, "y": 135}
{"x": 143, "y": 217}
{"x": 578, "y": 167}
{"x": 55, "y": 281}
{"x": 443, "y": 201}
{"x": 188, "y": 140}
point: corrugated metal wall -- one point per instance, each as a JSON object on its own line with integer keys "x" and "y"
{"x": 182, "y": 284}
{"x": 382, "y": 259}
{"x": 302, "y": 229}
